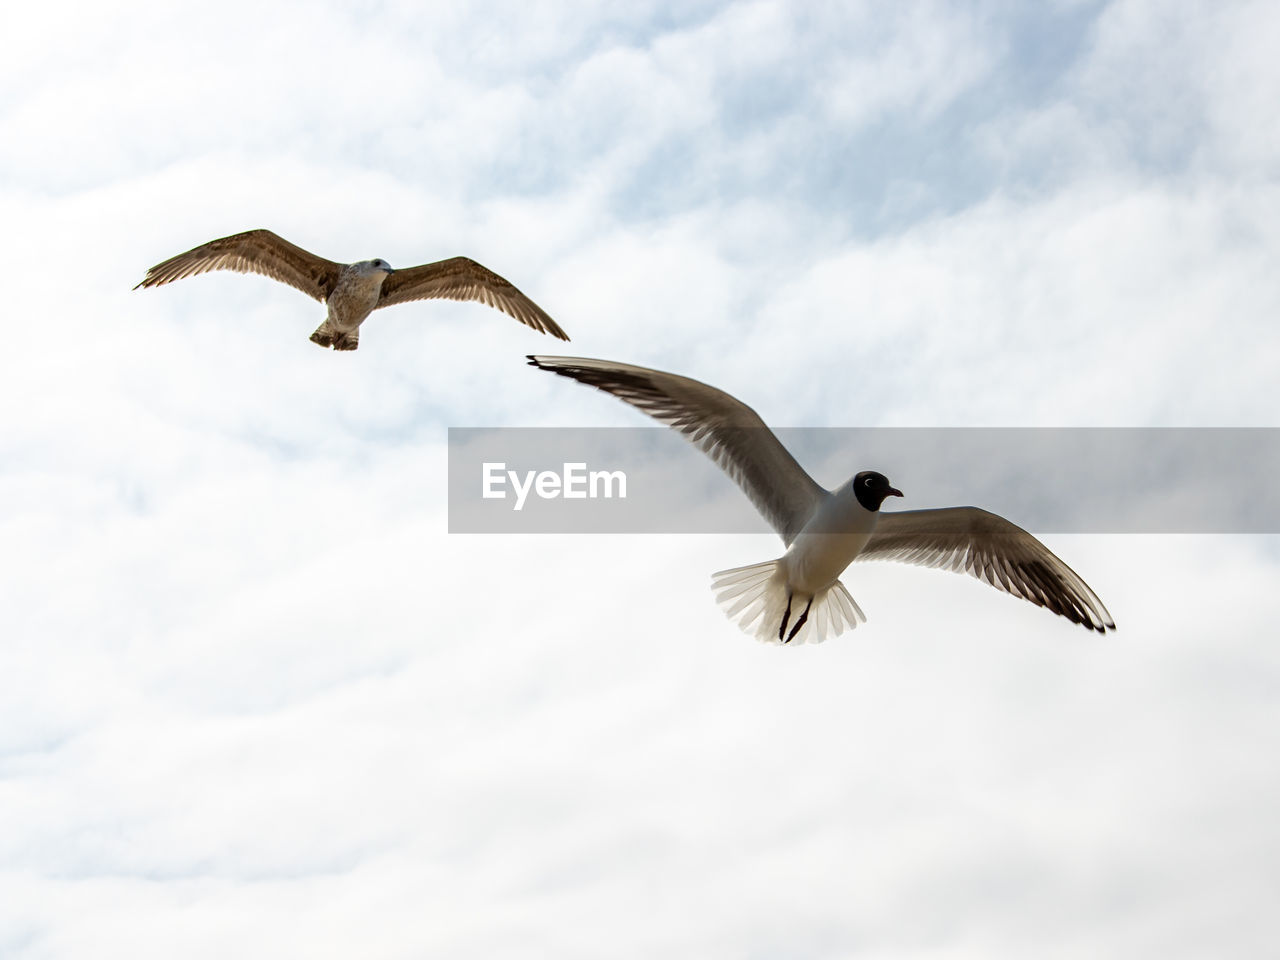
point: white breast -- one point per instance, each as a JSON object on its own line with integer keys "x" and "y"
{"x": 836, "y": 533}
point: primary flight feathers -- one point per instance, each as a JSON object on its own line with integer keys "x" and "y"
{"x": 352, "y": 290}
{"x": 826, "y": 530}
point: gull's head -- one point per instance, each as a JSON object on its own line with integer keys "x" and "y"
{"x": 368, "y": 267}
{"x": 872, "y": 488}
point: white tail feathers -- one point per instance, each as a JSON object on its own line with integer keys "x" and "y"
{"x": 758, "y": 600}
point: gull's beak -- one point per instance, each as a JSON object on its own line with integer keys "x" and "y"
{"x": 894, "y": 492}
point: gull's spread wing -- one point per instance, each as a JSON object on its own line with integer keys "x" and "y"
{"x": 461, "y": 278}
{"x": 974, "y": 541}
{"x": 722, "y": 427}
{"x": 256, "y": 251}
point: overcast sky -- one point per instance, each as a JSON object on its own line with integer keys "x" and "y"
{"x": 255, "y": 701}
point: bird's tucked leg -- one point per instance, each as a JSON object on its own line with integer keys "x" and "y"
{"x": 799, "y": 621}
{"x": 324, "y": 335}
{"x": 348, "y": 341}
{"x": 782, "y": 627}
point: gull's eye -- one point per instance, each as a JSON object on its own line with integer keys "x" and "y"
{"x": 866, "y": 481}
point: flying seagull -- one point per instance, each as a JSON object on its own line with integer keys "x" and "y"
{"x": 352, "y": 291}
{"x": 799, "y": 596}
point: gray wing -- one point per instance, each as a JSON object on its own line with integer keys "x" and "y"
{"x": 977, "y": 542}
{"x": 461, "y": 278}
{"x": 256, "y": 251}
{"x": 722, "y": 427}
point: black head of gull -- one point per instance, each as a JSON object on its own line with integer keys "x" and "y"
{"x": 872, "y": 489}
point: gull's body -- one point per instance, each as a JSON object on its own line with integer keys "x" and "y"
{"x": 354, "y": 297}
{"x": 799, "y": 596}
{"x": 836, "y": 533}
{"x": 352, "y": 291}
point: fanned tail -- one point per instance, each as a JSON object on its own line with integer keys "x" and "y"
{"x": 757, "y": 599}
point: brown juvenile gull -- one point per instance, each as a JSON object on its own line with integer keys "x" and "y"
{"x": 826, "y": 530}
{"x": 352, "y": 291}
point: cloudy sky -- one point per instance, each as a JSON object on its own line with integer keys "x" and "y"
{"x": 255, "y": 701}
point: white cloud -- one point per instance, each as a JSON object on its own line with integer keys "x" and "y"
{"x": 258, "y": 702}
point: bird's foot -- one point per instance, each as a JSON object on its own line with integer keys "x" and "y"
{"x": 800, "y": 621}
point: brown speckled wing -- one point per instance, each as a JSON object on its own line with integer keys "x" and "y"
{"x": 974, "y": 541}
{"x": 461, "y": 278}
{"x": 256, "y": 251}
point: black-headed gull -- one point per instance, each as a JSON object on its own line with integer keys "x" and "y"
{"x": 352, "y": 291}
{"x": 798, "y": 596}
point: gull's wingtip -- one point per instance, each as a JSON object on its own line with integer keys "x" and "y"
{"x": 546, "y": 325}
{"x": 543, "y": 362}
